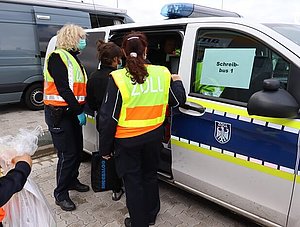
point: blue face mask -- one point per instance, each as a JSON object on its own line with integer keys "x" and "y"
{"x": 82, "y": 44}
{"x": 120, "y": 66}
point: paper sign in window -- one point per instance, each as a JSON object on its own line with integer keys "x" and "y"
{"x": 230, "y": 67}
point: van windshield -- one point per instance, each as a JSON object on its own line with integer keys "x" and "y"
{"x": 290, "y": 31}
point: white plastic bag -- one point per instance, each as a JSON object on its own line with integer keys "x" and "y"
{"x": 25, "y": 142}
{"x": 28, "y": 208}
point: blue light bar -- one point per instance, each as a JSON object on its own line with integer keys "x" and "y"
{"x": 178, "y": 10}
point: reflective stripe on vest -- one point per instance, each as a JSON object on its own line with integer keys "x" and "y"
{"x": 59, "y": 98}
{"x": 77, "y": 81}
{"x": 144, "y": 105}
{"x": 2, "y": 214}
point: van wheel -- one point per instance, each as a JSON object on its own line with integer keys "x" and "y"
{"x": 33, "y": 97}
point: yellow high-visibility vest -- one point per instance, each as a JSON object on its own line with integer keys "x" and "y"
{"x": 144, "y": 105}
{"x": 77, "y": 81}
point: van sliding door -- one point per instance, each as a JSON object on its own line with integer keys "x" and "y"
{"x": 19, "y": 60}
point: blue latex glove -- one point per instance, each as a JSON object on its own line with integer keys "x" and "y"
{"x": 82, "y": 118}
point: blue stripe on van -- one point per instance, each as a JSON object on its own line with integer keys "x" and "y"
{"x": 252, "y": 140}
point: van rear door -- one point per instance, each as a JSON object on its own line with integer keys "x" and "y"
{"x": 243, "y": 162}
{"x": 88, "y": 58}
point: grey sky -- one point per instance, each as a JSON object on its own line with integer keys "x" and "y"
{"x": 259, "y": 10}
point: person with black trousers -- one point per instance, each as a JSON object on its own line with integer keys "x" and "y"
{"x": 109, "y": 56}
{"x": 131, "y": 121}
{"x": 14, "y": 180}
{"x": 64, "y": 98}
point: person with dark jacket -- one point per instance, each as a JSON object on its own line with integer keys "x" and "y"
{"x": 64, "y": 98}
{"x": 109, "y": 56}
{"x": 131, "y": 120}
{"x": 14, "y": 180}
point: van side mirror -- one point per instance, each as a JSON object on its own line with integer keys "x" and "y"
{"x": 273, "y": 101}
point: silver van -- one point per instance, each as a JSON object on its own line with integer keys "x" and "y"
{"x": 26, "y": 28}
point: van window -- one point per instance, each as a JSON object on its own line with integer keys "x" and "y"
{"x": 100, "y": 21}
{"x": 17, "y": 40}
{"x": 231, "y": 65}
{"x": 45, "y": 33}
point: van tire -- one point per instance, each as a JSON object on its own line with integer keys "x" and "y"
{"x": 33, "y": 97}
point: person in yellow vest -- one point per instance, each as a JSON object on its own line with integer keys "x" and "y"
{"x": 14, "y": 180}
{"x": 64, "y": 98}
{"x": 131, "y": 119}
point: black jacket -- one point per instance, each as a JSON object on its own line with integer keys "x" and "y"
{"x": 13, "y": 181}
{"x": 96, "y": 87}
{"x": 59, "y": 72}
{"x": 111, "y": 108}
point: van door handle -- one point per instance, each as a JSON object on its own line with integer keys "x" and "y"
{"x": 193, "y": 109}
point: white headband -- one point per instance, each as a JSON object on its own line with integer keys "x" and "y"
{"x": 133, "y": 37}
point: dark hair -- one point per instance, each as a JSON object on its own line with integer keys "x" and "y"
{"x": 134, "y": 45}
{"x": 107, "y": 52}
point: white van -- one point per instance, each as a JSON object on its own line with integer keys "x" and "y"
{"x": 26, "y": 28}
{"x": 243, "y": 151}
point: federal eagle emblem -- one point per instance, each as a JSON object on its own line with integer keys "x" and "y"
{"x": 222, "y": 132}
